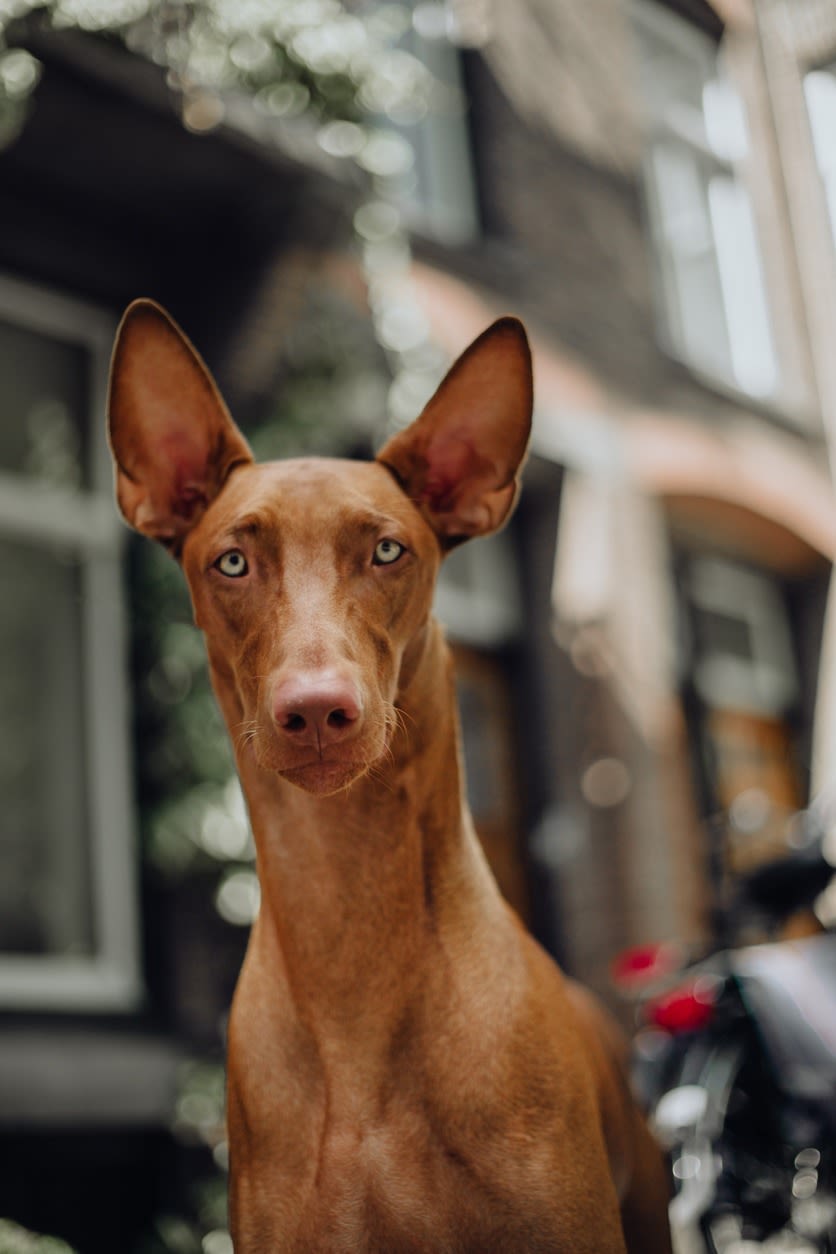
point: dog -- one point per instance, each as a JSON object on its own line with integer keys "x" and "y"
{"x": 407, "y": 1069}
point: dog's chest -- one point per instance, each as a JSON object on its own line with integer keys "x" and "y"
{"x": 372, "y": 1188}
{"x": 396, "y": 1186}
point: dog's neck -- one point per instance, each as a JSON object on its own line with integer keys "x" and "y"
{"x": 357, "y": 884}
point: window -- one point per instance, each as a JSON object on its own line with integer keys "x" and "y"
{"x": 67, "y": 897}
{"x": 437, "y": 194}
{"x": 715, "y": 316}
{"x": 820, "y": 91}
{"x": 743, "y": 655}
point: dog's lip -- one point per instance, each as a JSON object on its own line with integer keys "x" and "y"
{"x": 324, "y": 775}
{"x": 327, "y": 764}
{"x": 339, "y": 764}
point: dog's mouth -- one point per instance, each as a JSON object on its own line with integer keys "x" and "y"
{"x": 321, "y": 774}
{"x": 318, "y": 768}
{"x": 323, "y": 777}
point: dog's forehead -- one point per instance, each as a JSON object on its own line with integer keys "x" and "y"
{"x": 308, "y": 491}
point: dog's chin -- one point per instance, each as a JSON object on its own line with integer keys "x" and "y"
{"x": 323, "y": 779}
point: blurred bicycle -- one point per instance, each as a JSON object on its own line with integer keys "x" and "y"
{"x": 736, "y": 1064}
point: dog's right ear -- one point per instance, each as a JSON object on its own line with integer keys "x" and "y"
{"x": 172, "y": 439}
{"x": 460, "y": 460}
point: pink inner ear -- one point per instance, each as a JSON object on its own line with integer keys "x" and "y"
{"x": 454, "y": 470}
{"x": 188, "y": 462}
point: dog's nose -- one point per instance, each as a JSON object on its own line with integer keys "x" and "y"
{"x": 318, "y": 709}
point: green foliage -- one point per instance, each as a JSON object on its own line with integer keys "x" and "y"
{"x": 341, "y": 75}
{"x": 332, "y": 393}
{"x": 17, "y": 1240}
{"x": 318, "y": 61}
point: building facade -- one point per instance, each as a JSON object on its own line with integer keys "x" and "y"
{"x": 653, "y": 181}
{"x": 645, "y": 658}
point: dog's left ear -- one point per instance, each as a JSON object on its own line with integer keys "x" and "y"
{"x": 460, "y": 460}
{"x": 171, "y": 435}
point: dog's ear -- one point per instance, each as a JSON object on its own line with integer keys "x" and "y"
{"x": 460, "y": 460}
{"x": 171, "y": 435}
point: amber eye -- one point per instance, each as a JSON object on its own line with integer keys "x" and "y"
{"x": 387, "y": 552}
{"x": 233, "y": 564}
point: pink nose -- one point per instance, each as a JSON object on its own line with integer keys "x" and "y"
{"x": 318, "y": 709}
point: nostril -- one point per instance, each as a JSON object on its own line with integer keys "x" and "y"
{"x": 294, "y": 722}
{"x": 340, "y": 718}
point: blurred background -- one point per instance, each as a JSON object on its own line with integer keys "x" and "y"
{"x": 333, "y": 198}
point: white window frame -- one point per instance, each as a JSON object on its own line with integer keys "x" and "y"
{"x": 86, "y": 525}
{"x": 748, "y": 363}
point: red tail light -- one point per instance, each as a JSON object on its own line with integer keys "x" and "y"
{"x": 686, "y": 1008}
{"x": 637, "y": 968}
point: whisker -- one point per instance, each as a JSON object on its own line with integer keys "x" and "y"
{"x": 246, "y": 733}
{"x": 403, "y": 716}
{"x": 374, "y": 773}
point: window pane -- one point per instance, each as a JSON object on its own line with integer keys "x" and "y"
{"x": 681, "y": 199}
{"x": 43, "y": 397}
{"x": 717, "y": 632}
{"x": 725, "y": 121}
{"x": 698, "y": 319}
{"x": 744, "y": 299}
{"x": 820, "y": 90}
{"x": 44, "y": 886}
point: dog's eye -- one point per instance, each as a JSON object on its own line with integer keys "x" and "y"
{"x": 233, "y": 564}
{"x": 387, "y": 552}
